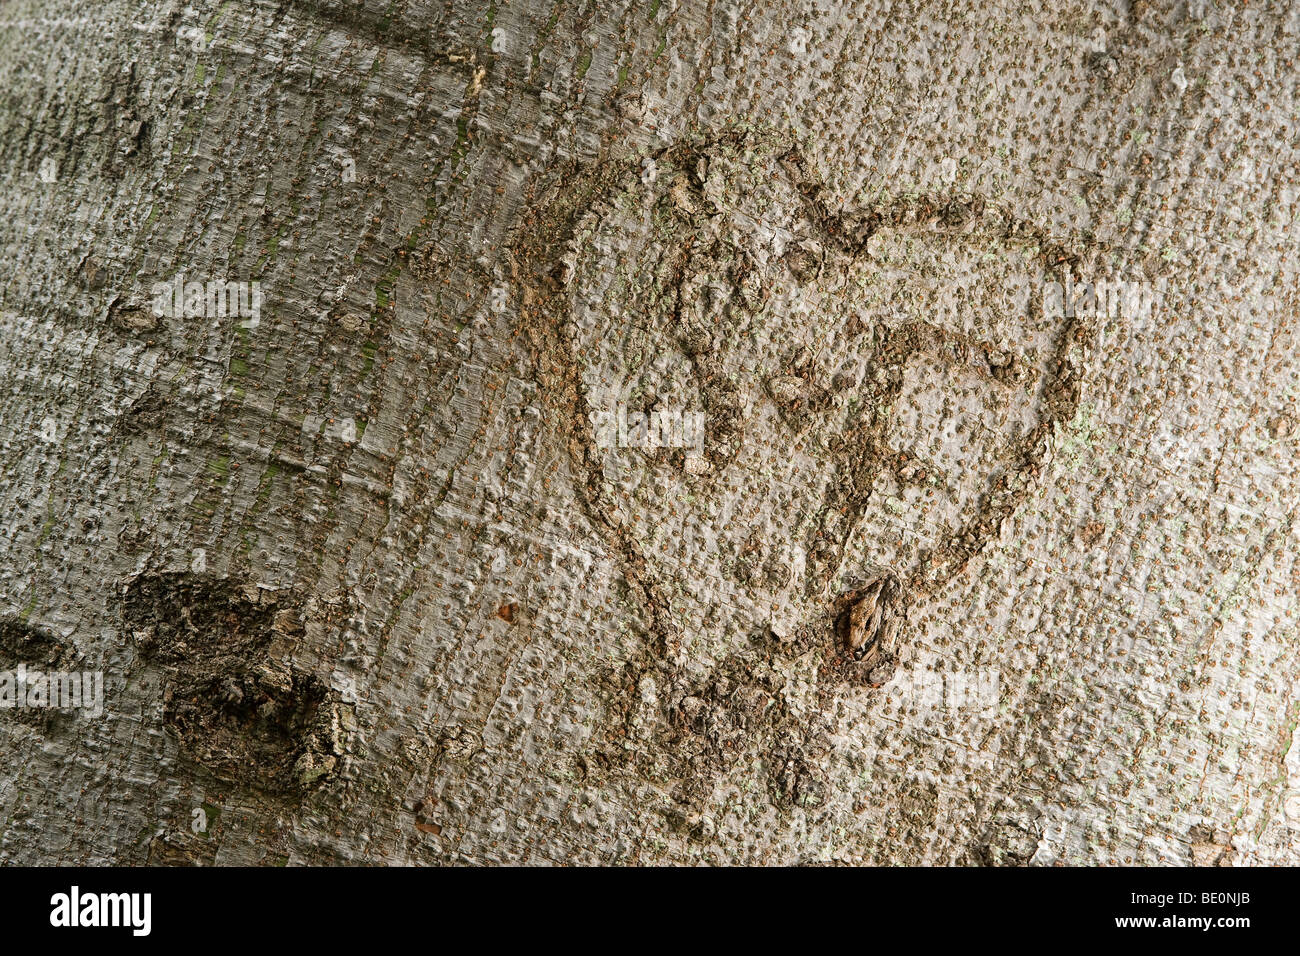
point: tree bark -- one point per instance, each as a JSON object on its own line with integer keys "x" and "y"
{"x": 962, "y": 531}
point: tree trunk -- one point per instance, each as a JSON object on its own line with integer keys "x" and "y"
{"x": 547, "y": 432}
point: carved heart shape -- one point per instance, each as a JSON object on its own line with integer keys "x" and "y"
{"x": 878, "y": 389}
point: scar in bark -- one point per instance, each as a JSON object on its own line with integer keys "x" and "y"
{"x": 867, "y": 622}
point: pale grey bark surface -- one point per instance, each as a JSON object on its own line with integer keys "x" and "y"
{"x": 366, "y": 586}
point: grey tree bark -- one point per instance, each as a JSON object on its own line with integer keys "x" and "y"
{"x": 381, "y": 562}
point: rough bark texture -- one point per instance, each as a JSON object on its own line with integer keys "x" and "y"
{"x": 955, "y": 579}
